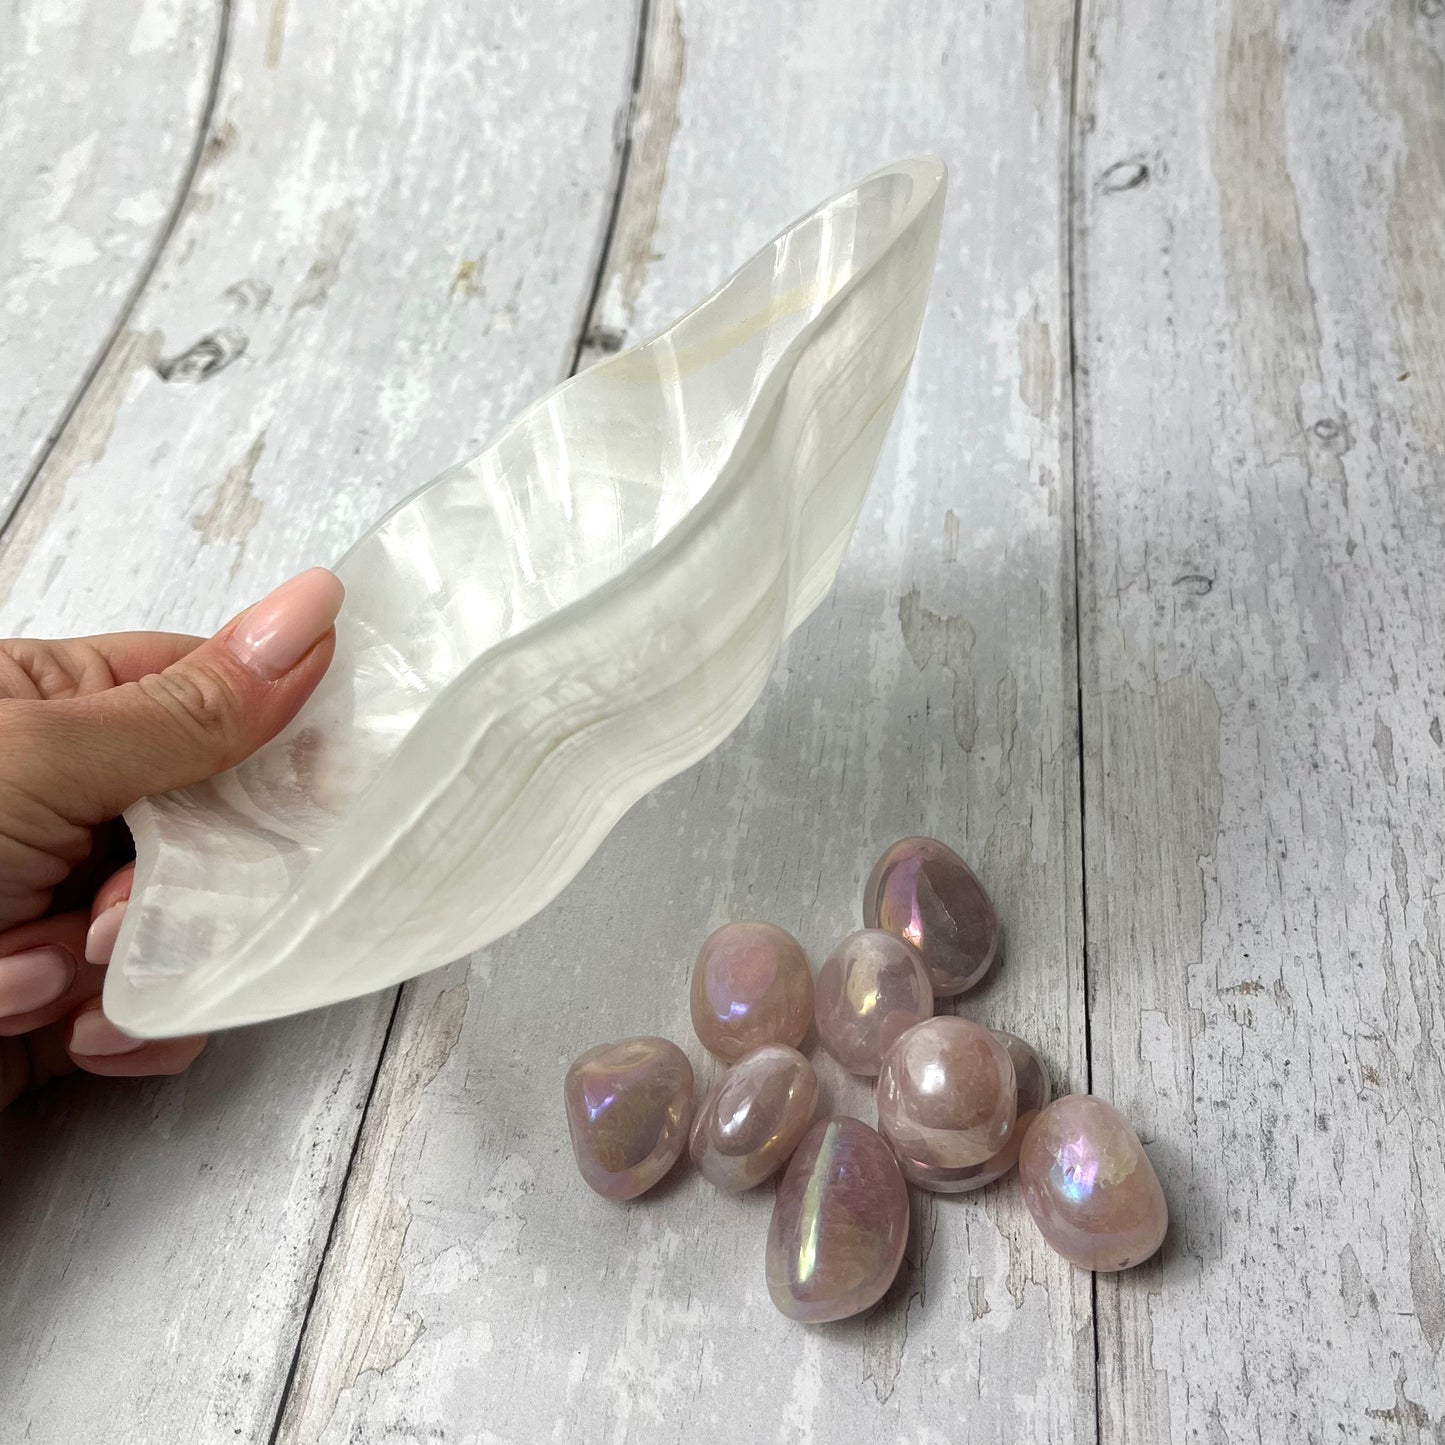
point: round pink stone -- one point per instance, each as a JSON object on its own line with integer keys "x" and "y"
{"x": 628, "y": 1108}
{"x": 1033, "y": 1094}
{"x": 1090, "y": 1186}
{"x": 840, "y": 1223}
{"x": 750, "y": 986}
{"x": 871, "y": 988}
{"x": 947, "y": 1094}
{"x": 924, "y": 892}
{"x": 753, "y": 1117}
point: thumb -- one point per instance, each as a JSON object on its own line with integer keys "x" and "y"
{"x": 93, "y": 756}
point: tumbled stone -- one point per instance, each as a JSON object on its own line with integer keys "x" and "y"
{"x": 925, "y": 893}
{"x": 753, "y": 1117}
{"x": 840, "y": 1223}
{"x": 871, "y": 988}
{"x": 1090, "y": 1186}
{"x": 1033, "y": 1094}
{"x": 751, "y": 985}
{"x": 947, "y": 1094}
{"x": 629, "y": 1105}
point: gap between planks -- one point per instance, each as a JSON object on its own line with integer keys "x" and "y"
{"x": 1069, "y": 230}
{"x": 143, "y": 276}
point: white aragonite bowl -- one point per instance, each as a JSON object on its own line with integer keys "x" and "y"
{"x": 539, "y": 636}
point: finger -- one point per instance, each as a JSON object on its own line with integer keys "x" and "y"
{"x": 96, "y": 755}
{"x": 107, "y": 914}
{"x": 130, "y": 656}
{"x": 43, "y": 975}
{"x": 98, "y": 1047}
{"x": 115, "y": 889}
{"x": 110, "y": 851}
{"x": 78, "y": 666}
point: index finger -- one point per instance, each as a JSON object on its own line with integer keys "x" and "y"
{"x": 134, "y": 655}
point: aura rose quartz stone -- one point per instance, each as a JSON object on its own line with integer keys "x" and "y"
{"x": 629, "y": 1105}
{"x": 751, "y": 985}
{"x": 840, "y": 1223}
{"x": 925, "y": 893}
{"x": 947, "y": 1094}
{"x": 871, "y": 988}
{"x": 1090, "y": 1186}
{"x": 1033, "y": 1094}
{"x": 753, "y": 1117}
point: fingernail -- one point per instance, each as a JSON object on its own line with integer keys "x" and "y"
{"x": 95, "y": 1036}
{"x": 33, "y": 979}
{"x": 101, "y": 935}
{"x": 275, "y": 634}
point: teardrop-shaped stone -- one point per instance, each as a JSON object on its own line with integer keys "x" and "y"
{"x": 1090, "y": 1186}
{"x": 840, "y": 1223}
{"x": 1033, "y": 1094}
{"x": 629, "y": 1105}
{"x": 753, "y": 1117}
{"x": 871, "y": 988}
{"x": 751, "y": 986}
{"x": 925, "y": 893}
{"x": 947, "y": 1093}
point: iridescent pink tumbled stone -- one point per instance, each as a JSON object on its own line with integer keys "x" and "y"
{"x": 1033, "y": 1094}
{"x": 924, "y": 892}
{"x": 1090, "y": 1186}
{"x": 871, "y": 988}
{"x": 947, "y": 1094}
{"x": 751, "y": 985}
{"x": 753, "y": 1117}
{"x": 629, "y": 1105}
{"x": 840, "y": 1223}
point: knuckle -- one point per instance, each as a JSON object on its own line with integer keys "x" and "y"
{"x": 199, "y": 700}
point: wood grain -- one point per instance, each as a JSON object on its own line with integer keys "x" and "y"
{"x": 1260, "y": 330}
{"x": 474, "y": 1288}
{"x": 387, "y": 250}
{"x": 93, "y": 170}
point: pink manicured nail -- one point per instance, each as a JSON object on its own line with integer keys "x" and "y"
{"x": 286, "y": 624}
{"x": 95, "y": 1036}
{"x": 100, "y": 937}
{"x": 33, "y": 979}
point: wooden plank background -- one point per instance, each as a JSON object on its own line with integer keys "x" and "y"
{"x": 94, "y": 170}
{"x": 1260, "y": 313}
{"x": 1144, "y": 614}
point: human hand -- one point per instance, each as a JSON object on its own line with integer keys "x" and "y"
{"x": 88, "y": 726}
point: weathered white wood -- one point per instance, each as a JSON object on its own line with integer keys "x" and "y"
{"x": 100, "y": 108}
{"x": 475, "y": 1290}
{"x": 1261, "y": 334}
{"x": 388, "y": 248}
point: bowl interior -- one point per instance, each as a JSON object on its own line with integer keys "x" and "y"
{"x": 575, "y": 491}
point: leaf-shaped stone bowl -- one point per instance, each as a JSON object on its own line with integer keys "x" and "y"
{"x": 541, "y": 635}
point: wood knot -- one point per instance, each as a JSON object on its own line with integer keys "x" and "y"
{"x": 249, "y": 294}
{"x": 212, "y": 353}
{"x": 1331, "y": 433}
{"x": 1195, "y": 583}
{"x": 1125, "y": 176}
